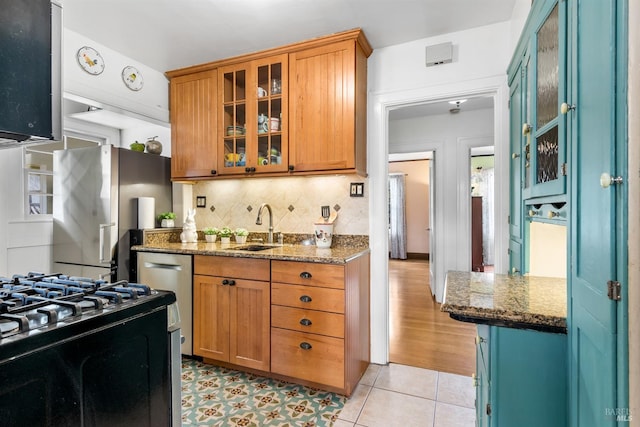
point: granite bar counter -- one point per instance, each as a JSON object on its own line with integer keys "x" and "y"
{"x": 523, "y": 302}
{"x": 343, "y": 249}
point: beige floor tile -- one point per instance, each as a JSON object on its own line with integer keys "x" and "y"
{"x": 353, "y": 405}
{"x": 342, "y": 423}
{"x": 385, "y": 408}
{"x": 408, "y": 380}
{"x": 370, "y": 374}
{"x": 456, "y": 389}
{"x": 454, "y": 416}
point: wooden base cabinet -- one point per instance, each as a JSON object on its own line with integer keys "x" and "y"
{"x": 320, "y": 322}
{"x": 231, "y": 306}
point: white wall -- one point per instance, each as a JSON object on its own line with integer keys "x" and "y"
{"x": 398, "y": 77}
{"x": 108, "y": 88}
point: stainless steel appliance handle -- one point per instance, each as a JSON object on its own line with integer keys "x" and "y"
{"x": 101, "y": 241}
{"x": 164, "y": 266}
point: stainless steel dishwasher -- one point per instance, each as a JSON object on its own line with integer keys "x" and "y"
{"x": 171, "y": 272}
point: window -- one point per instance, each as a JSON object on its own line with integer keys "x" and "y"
{"x": 38, "y": 168}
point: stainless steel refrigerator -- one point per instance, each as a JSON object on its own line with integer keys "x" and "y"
{"x": 95, "y": 205}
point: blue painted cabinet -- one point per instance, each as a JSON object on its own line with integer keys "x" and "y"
{"x": 569, "y": 128}
{"x": 521, "y": 378}
{"x": 597, "y": 224}
{"x": 544, "y": 160}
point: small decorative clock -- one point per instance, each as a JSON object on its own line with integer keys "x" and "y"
{"x": 132, "y": 77}
{"x": 90, "y": 60}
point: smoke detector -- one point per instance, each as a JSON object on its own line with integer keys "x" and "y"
{"x": 456, "y": 109}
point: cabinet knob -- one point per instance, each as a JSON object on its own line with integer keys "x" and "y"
{"x": 305, "y": 275}
{"x": 305, "y": 298}
{"x": 225, "y": 282}
{"x": 533, "y": 213}
{"x": 479, "y": 339}
{"x": 515, "y": 155}
{"x": 213, "y": 171}
{"x": 290, "y": 168}
{"x": 232, "y": 282}
{"x": 247, "y": 169}
{"x": 565, "y": 108}
{"x": 305, "y": 322}
{"x": 553, "y": 214}
{"x": 305, "y": 346}
{"x": 526, "y": 128}
{"x": 514, "y": 270}
{"x": 606, "y": 180}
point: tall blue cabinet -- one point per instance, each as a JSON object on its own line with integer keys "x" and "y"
{"x": 568, "y": 141}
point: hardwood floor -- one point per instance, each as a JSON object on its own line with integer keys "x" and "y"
{"x": 420, "y": 334}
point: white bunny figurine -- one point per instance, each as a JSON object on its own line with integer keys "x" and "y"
{"x": 189, "y": 233}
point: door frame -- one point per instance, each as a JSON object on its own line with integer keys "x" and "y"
{"x": 379, "y": 105}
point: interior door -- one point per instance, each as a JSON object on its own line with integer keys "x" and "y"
{"x": 432, "y": 224}
{"x": 594, "y": 229}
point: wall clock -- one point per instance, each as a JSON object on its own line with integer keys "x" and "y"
{"x": 90, "y": 60}
{"x": 132, "y": 77}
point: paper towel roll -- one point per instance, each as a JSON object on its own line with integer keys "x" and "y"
{"x": 146, "y": 212}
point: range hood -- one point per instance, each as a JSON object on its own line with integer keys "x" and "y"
{"x": 30, "y": 88}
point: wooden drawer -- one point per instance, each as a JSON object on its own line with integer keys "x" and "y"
{"x": 245, "y": 268}
{"x": 308, "y": 273}
{"x": 309, "y": 321}
{"x": 322, "y": 362}
{"x": 308, "y": 297}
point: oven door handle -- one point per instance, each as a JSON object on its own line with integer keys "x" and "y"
{"x": 101, "y": 231}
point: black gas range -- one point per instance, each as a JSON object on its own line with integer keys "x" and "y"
{"x": 81, "y": 352}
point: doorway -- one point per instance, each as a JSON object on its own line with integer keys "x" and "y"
{"x": 431, "y": 339}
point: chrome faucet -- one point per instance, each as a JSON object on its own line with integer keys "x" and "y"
{"x": 259, "y": 220}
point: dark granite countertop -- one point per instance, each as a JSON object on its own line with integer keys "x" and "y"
{"x": 288, "y": 252}
{"x": 526, "y": 302}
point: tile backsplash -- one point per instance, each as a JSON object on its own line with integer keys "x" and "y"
{"x": 295, "y": 203}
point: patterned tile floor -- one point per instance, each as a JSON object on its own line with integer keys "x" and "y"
{"x": 214, "y": 396}
{"x": 387, "y": 396}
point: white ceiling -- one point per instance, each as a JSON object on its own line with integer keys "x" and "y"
{"x": 170, "y": 34}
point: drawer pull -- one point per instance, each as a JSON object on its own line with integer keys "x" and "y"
{"x": 232, "y": 282}
{"x": 228, "y": 282}
{"x": 305, "y": 275}
{"x": 305, "y": 346}
{"x": 305, "y": 322}
{"x": 305, "y": 298}
{"x": 225, "y": 282}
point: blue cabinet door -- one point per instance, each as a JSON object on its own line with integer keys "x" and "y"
{"x": 483, "y": 377}
{"x": 594, "y": 125}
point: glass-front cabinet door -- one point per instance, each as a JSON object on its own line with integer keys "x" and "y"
{"x": 253, "y": 120}
{"x": 545, "y": 146}
{"x": 271, "y": 118}
{"x": 232, "y": 150}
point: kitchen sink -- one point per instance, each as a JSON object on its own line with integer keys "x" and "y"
{"x": 252, "y": 248}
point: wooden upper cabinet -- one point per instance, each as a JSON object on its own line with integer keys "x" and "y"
{"x": 252, "y": 116}
{"x": 327, "y": 108}
{"x": 295, "y": 109}
{"x": 193, "y": 125}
